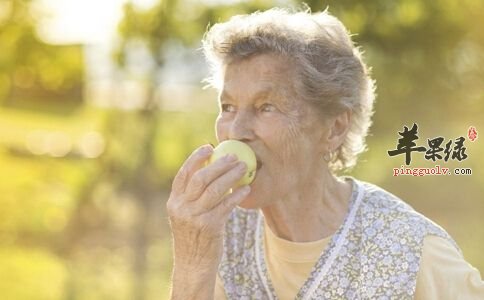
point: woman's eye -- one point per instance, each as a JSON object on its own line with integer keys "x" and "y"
{"x": 228, "y": 108}
{"x": 267, "y": 107}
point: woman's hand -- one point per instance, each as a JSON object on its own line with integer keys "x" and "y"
{"x": 198, "y": 208}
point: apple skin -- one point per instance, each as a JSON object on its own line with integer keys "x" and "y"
{"x": 243, "y": 152}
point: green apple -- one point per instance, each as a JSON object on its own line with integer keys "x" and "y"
{"x": 243, "y": 152}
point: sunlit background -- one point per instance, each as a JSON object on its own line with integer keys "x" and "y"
{"x": 101, "y": 101}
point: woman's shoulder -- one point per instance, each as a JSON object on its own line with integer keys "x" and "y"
{"x": 377, "y": 197}
{"x": 383, "y": 203}
{"x": 381, "y": 208}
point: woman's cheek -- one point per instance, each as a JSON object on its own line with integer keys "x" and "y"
{"x": 221, "y": 128}
{"x": 288, "y": 137}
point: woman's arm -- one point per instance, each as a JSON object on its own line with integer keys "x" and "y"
{"x": 193, "y": 285}
{"x": 444, "y": 273}
{"x": 219, "y": 289}
{"x": 198, "y": 208}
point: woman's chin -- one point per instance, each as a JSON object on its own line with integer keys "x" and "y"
{"x": 249, "y": 202}
{"x": 253, "y": 200}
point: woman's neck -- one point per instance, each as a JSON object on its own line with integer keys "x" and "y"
{"x": 312, "y": 212}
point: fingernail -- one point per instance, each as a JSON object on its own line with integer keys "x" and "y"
{"x": 230, "y": 157}
{"x": 207, "y": 149}
{"x": 245, "y": 190}
{"x": 242, "y": 166}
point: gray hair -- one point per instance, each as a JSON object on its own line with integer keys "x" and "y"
{"x": 330, "y": 72}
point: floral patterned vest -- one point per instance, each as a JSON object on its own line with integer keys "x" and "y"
{"x": 375, "y": 254}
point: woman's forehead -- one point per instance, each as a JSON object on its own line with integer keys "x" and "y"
{"x": 256, "y": 92}
{"x": 258, "y": 77}
{"x": 263, "y": 65}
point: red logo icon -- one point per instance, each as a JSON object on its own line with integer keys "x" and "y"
{"x": 472, "y": 133}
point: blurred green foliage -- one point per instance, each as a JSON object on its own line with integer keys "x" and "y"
{"x": 32, "y": 71}
{"x": 82, "y": 192}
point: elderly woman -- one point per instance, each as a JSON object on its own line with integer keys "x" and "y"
{"x": 295, "y": 89}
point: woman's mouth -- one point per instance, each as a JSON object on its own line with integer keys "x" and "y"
{"x": 258, "y": 166}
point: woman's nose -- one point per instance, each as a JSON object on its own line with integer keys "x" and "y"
{"x": 241, "y": 127}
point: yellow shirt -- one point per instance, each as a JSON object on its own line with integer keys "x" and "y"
{"x": 443, "y": 274}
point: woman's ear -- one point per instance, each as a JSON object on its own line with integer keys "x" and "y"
{"x": 339, "y": 126}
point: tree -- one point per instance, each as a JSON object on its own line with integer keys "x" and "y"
{"x": 31, "y": 70}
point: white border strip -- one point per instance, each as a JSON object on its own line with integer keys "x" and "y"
{"x": 339, "y": 244}
{"x": 258, "y": 258}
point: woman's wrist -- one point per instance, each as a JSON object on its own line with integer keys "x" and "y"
{"x": 196, "y": 262}
{"x": 191, "y": 283}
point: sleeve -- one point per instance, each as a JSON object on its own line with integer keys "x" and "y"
{"x": 219, "y": 290}
{"x": 444, "y": 274}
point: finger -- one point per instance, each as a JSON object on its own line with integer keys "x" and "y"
{"x": 230, "y": 201}
{"x": 215, "y": 192}
{"x": 194, "y": 162}
{"x": 205, "y": 176}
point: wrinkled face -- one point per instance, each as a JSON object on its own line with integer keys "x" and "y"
{"x": 259, "y": 107}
